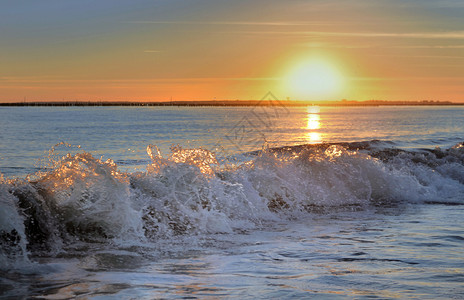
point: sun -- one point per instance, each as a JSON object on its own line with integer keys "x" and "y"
{"x": 314, "y": 79}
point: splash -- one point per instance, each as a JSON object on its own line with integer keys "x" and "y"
{"x": 200, "y": 158}
{"x": 13, "y": 240}
{"x": 80, "y": 200}
{"x": 91, "y": 197}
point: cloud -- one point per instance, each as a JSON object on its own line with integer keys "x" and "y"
{"x": 459, "y": 34}
{"x": 233, "y": 23}
{"x": 421, "y": 56}
{"x": 377, "y": 45}
{"x": 431, "y": 47}
{"x": 58, "y": 80}
{"x": 447, "y": 79}
{"x": 418, "y": 35}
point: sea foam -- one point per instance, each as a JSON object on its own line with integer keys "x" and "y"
{"x": 82, "y": 200}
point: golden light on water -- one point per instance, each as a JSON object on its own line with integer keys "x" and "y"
{"x": 313, "y": 121}
{"x": 314, "y": 137}
{"x": 313, "y": 124}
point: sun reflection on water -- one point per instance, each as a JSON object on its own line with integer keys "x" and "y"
{"x": 314, "y": 137}
{"x": 313, "y": 123}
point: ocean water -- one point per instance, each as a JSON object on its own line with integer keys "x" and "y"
{"x": 232, "y": 202}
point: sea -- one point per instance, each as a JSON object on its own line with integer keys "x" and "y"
{"x": 252, "y": 202}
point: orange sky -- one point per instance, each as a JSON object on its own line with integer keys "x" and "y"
{"x": 202, "y": 50}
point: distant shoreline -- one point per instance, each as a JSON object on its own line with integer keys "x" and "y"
{"x": 237, "y": 103}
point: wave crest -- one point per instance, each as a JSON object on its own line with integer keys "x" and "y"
{"x": 82, "y": 199}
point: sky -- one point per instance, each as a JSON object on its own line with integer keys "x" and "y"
{"x": 160, "y": 50}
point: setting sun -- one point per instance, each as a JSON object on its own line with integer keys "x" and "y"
{"x": 314, "y": 79}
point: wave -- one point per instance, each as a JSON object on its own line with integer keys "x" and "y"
{"x": 79, "y": 199}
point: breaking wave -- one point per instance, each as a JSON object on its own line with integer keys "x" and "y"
{"x": 79, "y": 199}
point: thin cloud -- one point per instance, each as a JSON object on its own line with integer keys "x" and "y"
{"x": 416, "y": 35}
{"x": 365, "y": 46}
{"x": 421, "y": 56}
{"x": 152, "y": 51}
{"x": 237, "y": 23}
{"x": 48, "y": 80}
{"x": 421, "y": 35}
{"x": 407, "y": 78}
{"x": 431, "y": 47}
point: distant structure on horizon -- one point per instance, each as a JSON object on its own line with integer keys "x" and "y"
{"x": 343, "y": 102}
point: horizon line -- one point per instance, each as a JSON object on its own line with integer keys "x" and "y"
{"x": 236, "y": 102}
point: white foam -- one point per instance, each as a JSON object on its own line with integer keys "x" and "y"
{"x": 13, "y": 240}
{"x": 188, "y": 193}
